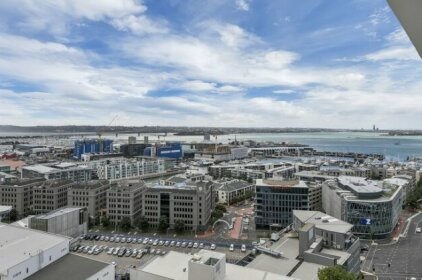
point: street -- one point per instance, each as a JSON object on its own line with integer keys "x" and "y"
{"x": 398, "y": 260}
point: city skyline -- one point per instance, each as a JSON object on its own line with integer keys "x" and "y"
{"x": 238, "y": 63}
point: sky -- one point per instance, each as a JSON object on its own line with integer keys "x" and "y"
{"x": 231, "y": 63}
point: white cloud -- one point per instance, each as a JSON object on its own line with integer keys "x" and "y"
{"x": 209, "y": 87}
{"x": 139, "y": 25}
{"x": 57, "y": 17}
{"x": 283, "y": 91}
{"x": 234, "y": 36}
{"x": 243, "y": 4}
{"x": 394, "y": 53}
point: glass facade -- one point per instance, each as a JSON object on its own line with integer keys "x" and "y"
{"x": 373, "y": 219}
{"x": 275, "y": 205}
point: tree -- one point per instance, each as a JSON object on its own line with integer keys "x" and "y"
{"x": 125, "y": 224}
{"x": 221, "y": 207}
{"x": 105, "y": 221}
{"x": 90, "y": 222}
{"x": 163, "y": 224}
{"x": 179, "y": 226}
{"x": 335, "y": 273}
{"x": 141, "y": 223}
{"x": 13, "y": 215}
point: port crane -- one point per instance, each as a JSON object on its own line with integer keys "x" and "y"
{"x": 99, "y": 133}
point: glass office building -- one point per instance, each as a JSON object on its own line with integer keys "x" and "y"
{"x": 373, "y": 208}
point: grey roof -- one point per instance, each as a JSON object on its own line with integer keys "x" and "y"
{"x": 234, "y": 186}
{"x": 69, "y": 267}
{"x": 361, "y": 187}
{"x": 322, "y": 221}
{"x": 58, "y": 212}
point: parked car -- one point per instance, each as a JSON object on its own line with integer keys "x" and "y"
{"x": 243, "y": 248}
{"x": 112, "y": 239}
{"x": 418, "y": 230}
{"x": 102, "y": 238}
{"x": 195, "y": 245}
{"x": 190, "y": 245}
{"x": 155, "y": 243}
{"x": 172, "y": 243}
{"x": 161, "y": 243}
{"x": 145, "y": 242}
{"x": 152, "y": 251}
{"x": 201, "y": 245}
{"x": 167, "y": 243}
{"x": 158, "y": 252}
{"x": 139, "y": 240}
{"x": 134, "y": 253}
{"x": 231, "y": 249}
{"x": 184, "y": 244}
{"x": 106, "y": 238}
{"x": 129, "y": 240}
{"x": 178, "y": 244}
{"x": 123, "y": 240}
{"x": 213, "y": 246}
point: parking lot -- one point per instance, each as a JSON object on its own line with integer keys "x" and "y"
{"x": 147, "y": 248}
{"x": 400, "y": 260}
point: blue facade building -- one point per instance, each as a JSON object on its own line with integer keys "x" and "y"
{"x": 94, "y": 146}
{"x": 171, "y": 150}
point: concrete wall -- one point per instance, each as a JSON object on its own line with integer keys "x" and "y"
{"x": 37, "y": 261}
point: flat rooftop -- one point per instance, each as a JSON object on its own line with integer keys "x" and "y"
{"x": 69, "y": 267}
{"x": 288, "y": 264}
{"x": 174, "y": 263}
{"x": 361, "y": 187}
{"x": 281, "y": 184}
{"x": 17, "y": 244}
{"x": 322, "y": 221}
{"x": 43, "y": 169}
{"x": 58, "y": 212}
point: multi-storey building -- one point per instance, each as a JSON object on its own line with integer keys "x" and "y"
{"x": 92, "y": 146}
{"x": 61, "y": 171}
{"x": 373, "y": 208}
{"x": 19, "y": 194}
{"x": 190, "y": 202}
{"x": 275, "y": 201}
{"x": 124, "y": 199}
{"x": 230, "y": 190}
{"x": 92, "y": 195}
{"x": 326, "y": 240}
{"x": 121, "y": 168}
{"x": 50, "y": 195}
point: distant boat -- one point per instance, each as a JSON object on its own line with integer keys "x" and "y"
{"x": 397, "y": 143}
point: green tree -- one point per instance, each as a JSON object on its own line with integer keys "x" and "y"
{"x": 142, "y": 223}
{"x": 13, "y": 215}
{"x": 105, "y": 221}
{"x": 335, "y": 273}
{"x": 221, "y": 207}
{"x": 125, "y": 224}
{"x": 163, "y": 224}
{"x": 179, "y": 226}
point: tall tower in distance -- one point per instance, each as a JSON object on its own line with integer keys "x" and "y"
{"x": 374, "y": 128}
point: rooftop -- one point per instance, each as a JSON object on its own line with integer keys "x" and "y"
{"x": 281, "y": 184}
{"x": 39, "y": 168}
{"x": 176, "y": 262}
{"x": 288, "y": 263}
{"x": 69, "y": 267}
{"x": 322, "y": 221}
{"x": 361, "y": 187}
{"x": 58, "y": 212}
{"x": 18, "y": 244}
{"x": 233, "y": 186}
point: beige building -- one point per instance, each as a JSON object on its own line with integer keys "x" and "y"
{"x": 19, "y": 194}
{"x": 92, "y": 195}
{"x": 50, "y": 195}
{"x": 124, "y": 199}
{"x": 190, "y": 202}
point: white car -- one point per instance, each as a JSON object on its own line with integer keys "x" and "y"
{"x": 172, "y": 243}
{"x": 195, "y": 245}
{"x": 231, "y": 249}
{"x": 155, "y": 243}
{"x": 243, "y": 249}
{"x": 418, "y": 230}
{"x": 213, "y": 246}
{"x": 145, "y": 242}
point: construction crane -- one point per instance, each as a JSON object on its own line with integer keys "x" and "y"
{"x": 99, "y": 133}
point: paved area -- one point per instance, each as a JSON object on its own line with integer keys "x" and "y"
{"x": 398, "y": 260}
{"x": 124, "y": 263}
